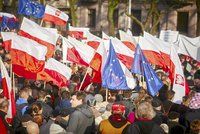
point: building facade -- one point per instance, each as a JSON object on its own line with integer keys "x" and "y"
{"x": 93, "y": 14}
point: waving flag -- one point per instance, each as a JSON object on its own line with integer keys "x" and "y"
{"x": 114, "y": 75}
{"x": 141, "y": 66}
{"x": 28, "y": 57}
{"x": 8, "y": 23}
{"x": 56, "y": 72}
{"x": 31, "y": 8}
{"x": 8, "y": 92}
{"x": 32, "y": 30}
{"x": 55, "y": 16}
{"x": 78, "y": 32}
{"x": 7, "y": 15}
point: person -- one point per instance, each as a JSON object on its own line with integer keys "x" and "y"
{"x": 65, "y": 101}
{"x": 195, "y": 127}
{"x": 4, "y": 126}
{"x": 195, "y": 101}
{"x": 116, "y": 123}
{"x": 81, "y": 121}
{"x": 144, "y": 123}
{"x": 32, "y": 128}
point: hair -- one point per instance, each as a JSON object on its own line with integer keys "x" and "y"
{"x": 41, "y": 94}
{"x": 36, "y": 107}
{"x": 65, "y": 95}
{"x": 32, "y": 128}
{"x": 23, "y": 91}
{"x": 195, "y": 126}
{"x": 38, "y": 119}
{"x": 3, "y": 103}
{"x": 170, "y": 94}
{"x": 145, "y": 110}
{"x": 80, "y": 95}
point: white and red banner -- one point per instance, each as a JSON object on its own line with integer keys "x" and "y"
{"x": 39, "y": 34}
{"x": 55, "y": 16}
{"x": 78, "y": 32}
{"x": 56, "y": 72}
{"x": 27, "y": 56}
{"x": 8, "y": 92}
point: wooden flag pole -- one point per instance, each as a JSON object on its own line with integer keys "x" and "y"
{"x": 41, "y": 22}
{"x": 83, "y": 79}
{"x": 106, "y": 95}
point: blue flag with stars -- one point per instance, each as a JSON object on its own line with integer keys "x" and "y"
{"x": 113, "y": 75}
{"x": 31, "y": 8}
{"x": 141, "y": 66}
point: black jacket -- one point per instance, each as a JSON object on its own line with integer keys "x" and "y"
{"x": 81, "y": 121}
{"x": 145, "y": 127}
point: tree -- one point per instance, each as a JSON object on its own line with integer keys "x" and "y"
{"x": 1, "y": 5}
{"x": 154, "y": 15}
{"x": 198, "y": 18}
{"x": 112, "y": 4}
{"x": 43, "y": 2}
{"x": 73, "y": 9}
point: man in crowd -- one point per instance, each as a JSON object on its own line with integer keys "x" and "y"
{"x": 81, "y": 121}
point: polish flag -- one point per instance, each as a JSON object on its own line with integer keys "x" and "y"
{"x": 86, "y": 52}
{"x": 7, "y": 39}
{"x": 27, "y": 56}
{"x": 7, "y": 15}
{"x": 170, "y": 56}
{"x": 56, "y": 72}
{"x": 55, "y": 16}
{"x": 78, "y": 32}
{"x": 127, "y": 39}
{"x": 151, "y": 51}
{"x": 92, "y": 40}
{"x": 39, "y": 34}
{"x": 123, "y": 52}
{"x": 8, "y": 92}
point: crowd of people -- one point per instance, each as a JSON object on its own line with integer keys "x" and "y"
{"x": 44, "y": 108}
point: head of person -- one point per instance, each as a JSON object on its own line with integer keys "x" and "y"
{"x": 4, "y": 104}
{"x": 157, "y": 104}
{"x": 36, "y": 109}
{"x": 38, "y": 119}
{"x": 170, "y": 95}
{"x": 195, "y": 127}
{"x": 24, "y": 93}
{"x": 77, "y": 99}
{"x": 65, "y": 95}
{"x": 197, "y": 80}
{"x": 118, "y": 108}
{"x": 173, "y": 116}
{"x": 32, "y": 128}
{"x": 145, "y": 111}
{"x": 42, "y": 95}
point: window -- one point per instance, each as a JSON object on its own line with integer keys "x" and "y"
{"x": 92, "y": 18}
{"x": 182, "y": 22}
{"x": 115, "y": 17}
{"x": 136, "y": 30}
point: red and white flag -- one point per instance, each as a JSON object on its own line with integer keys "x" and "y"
{"x": 56, "y": 72}
{"x": 78, "y": 32}
{"x": 173, "y": 63}
{"x": 27, "y": 56}
{"x": 55, "y": 16}
{"x": 8, "y": 92}
{"x": 39, "y": 34}
{"x": 124, "y": 53}
{"x": 128, "y": 40}
{"x": 71, "y": 54}
{"x": 7, "y": 39}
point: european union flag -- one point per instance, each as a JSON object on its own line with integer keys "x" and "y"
{"x": 31, "y": 8}
{"x": 9, "y": 23}
{"x": 141, "y": 66}
{"x": 113, "y": 75}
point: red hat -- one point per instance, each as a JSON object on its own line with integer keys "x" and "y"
{"x": 118, "y": 107}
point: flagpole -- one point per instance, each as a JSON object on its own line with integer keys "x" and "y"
{"x": 83, "y": 79}
{"x": 41, "y": 22}
{"x": 106, "y": 95}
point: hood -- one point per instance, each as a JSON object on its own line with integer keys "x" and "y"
{"x": 21, "y": 101}
{"x": 86, "y": 110}
{"x": 117, "y": 120}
